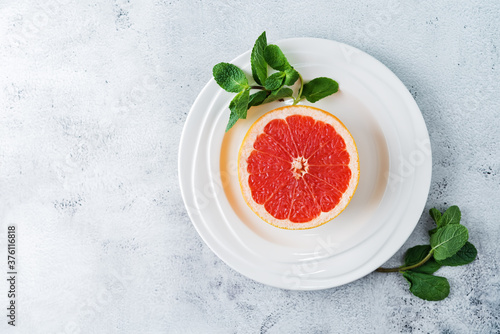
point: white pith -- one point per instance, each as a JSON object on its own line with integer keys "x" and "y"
{"x": 299, "y": 167}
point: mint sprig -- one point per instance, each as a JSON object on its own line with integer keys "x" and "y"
{"x": 270, "y": 87}
{"x": 448, "y": 247}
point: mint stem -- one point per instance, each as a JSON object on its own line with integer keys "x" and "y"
{"x": 257, "y": 87}
{"x": 296, "y": 100}
{"x": 402, "y": 268}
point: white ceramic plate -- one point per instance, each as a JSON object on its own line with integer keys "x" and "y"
{"x": 395, "y": 174}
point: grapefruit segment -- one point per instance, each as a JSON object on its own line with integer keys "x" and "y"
{"x": 267, "y": 144}
{"x": 279, "y": 130}
{"x": 326, "y": 195}
{"x": 280, "y": 204}
{"x": 321, "y": 134}
{"x": 336, "y": 176}
{"x": 331, "y": 153}
{"x": 260, "y": 162}
{"x": 300, "y": 128}
{"x": 264, "y": 185}
{"x": 298, "y": 167}
{"x": 304, "y": 206}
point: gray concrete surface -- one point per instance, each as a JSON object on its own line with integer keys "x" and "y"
{"x": 94, "y": 95}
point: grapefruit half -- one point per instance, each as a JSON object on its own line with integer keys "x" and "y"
{"x": 298, "y": 167}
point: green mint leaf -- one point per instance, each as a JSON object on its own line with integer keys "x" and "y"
{"x": 319, "y": 88}
{"x": 291, "y": 76}
{"x": 259, "y": 65}
{"x": 239, "y": 103}
{"x": 435, "y": 214}
{"x": 451, "y": 216}
{"x": 448, "y": 240}
{"x": 275, "y": 81}
{"x": 275, "y": 58}
{"x": 465, "y": 255}
{"x": 279, "y": 94}
{"x": 427, "y": 287}
{"x": 431, "y": 232}
{"x": 233, "y": 118}
{"x": 256, "y": 99}
{"x": 230, "y": 77}
{"x": 416, "y": 254}
{"x": 429, "y": 267}
{"x": 238, "y": 107}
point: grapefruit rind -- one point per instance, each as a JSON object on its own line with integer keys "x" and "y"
{"x": 247, "y": 148}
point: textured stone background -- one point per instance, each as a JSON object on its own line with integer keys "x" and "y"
{"x": 93, "y": 99}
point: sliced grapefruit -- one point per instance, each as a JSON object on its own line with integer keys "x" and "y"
{"x": 298, "y": 167}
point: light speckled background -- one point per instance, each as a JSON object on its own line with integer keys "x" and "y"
{"x": 93, "y": 99}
